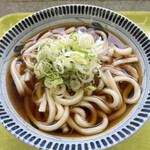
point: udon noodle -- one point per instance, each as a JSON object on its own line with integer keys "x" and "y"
{"x": 102, "y": 80}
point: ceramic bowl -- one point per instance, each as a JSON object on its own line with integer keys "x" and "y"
{"x": 84, "y": 14}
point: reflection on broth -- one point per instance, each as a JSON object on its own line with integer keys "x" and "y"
{"x": 74, "y": 81}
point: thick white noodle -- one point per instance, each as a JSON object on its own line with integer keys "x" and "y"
{"x": 35, "y": 46}
{"x": 113, "y": 85}
{"x": 122, "y": 52}
{"x": 70, "y": 30}
{"x": 52, "y": 107}
{"x": 28, "y": 44}
{"x": 111, "y": 50}
{"x": 93, "y": 130}
{"x": 104, "y": 36}
{"x": 60, "y": 89}
{"x": 27, "y": 89}
{"x": 38, "y": 89}
{"x": 118, "y": 56}
{"x": 26, "y": 77}
{"x": 78, "y": 110}
{"x": 42, "y": 125}
{"x": 28, "y": 62}
{"x": 18, "y": 67}
{"x": 72, "y": 101}
{"x": 104, "y": 78}
{"x": 125, "y": 61}
{"x": 119, "y": 113}
{"x": 116, "y": 100}
{"x": 132, "y": 71}
{"x": 100, "y": 85}
{"x": 43, "y": 103}
{"x": 65, "y": 128}
{"x": 137, "y": 89}
{"x": 19, "y": 82}
{"x": 105, "y": 58}
{"x": 16, "y": 79}
{"x": 119, "y": 72}
{"x": 114, "y": 70}
{"x": 46, "y": 35}
{"x": 125, "y": 52}
{"x": 80, "y": 120}
{"x": 82, "y": 28}
{"x": 99, "y": 102}
{"x": 60, "y": 111}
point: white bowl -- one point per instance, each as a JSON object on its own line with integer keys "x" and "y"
{"x": 91, "y": 15}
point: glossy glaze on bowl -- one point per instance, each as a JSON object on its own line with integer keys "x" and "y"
{"x": 82, "y": 14}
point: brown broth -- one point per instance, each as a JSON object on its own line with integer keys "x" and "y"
{"x": 16, "y": 100}
{"x": 18, "y": 103}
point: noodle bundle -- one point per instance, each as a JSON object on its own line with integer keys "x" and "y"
{"x": 75, "y": 79}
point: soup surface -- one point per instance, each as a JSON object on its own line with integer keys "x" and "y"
{"x": 74, "y": 80}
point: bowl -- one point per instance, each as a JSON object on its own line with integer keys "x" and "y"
{"x": 84, "y": 14}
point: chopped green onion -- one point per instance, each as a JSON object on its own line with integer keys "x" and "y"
{"x": 73, "y": 36}
{"x": 52, "y": 83}
{"x": 66, "y": 82}
{"x": 27, "y": 70}
{"x": 90, "y": 88}
{"x": 81, "y": 51}
{"x": 70, "y": 55}
{"x": 62, "y": 43}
